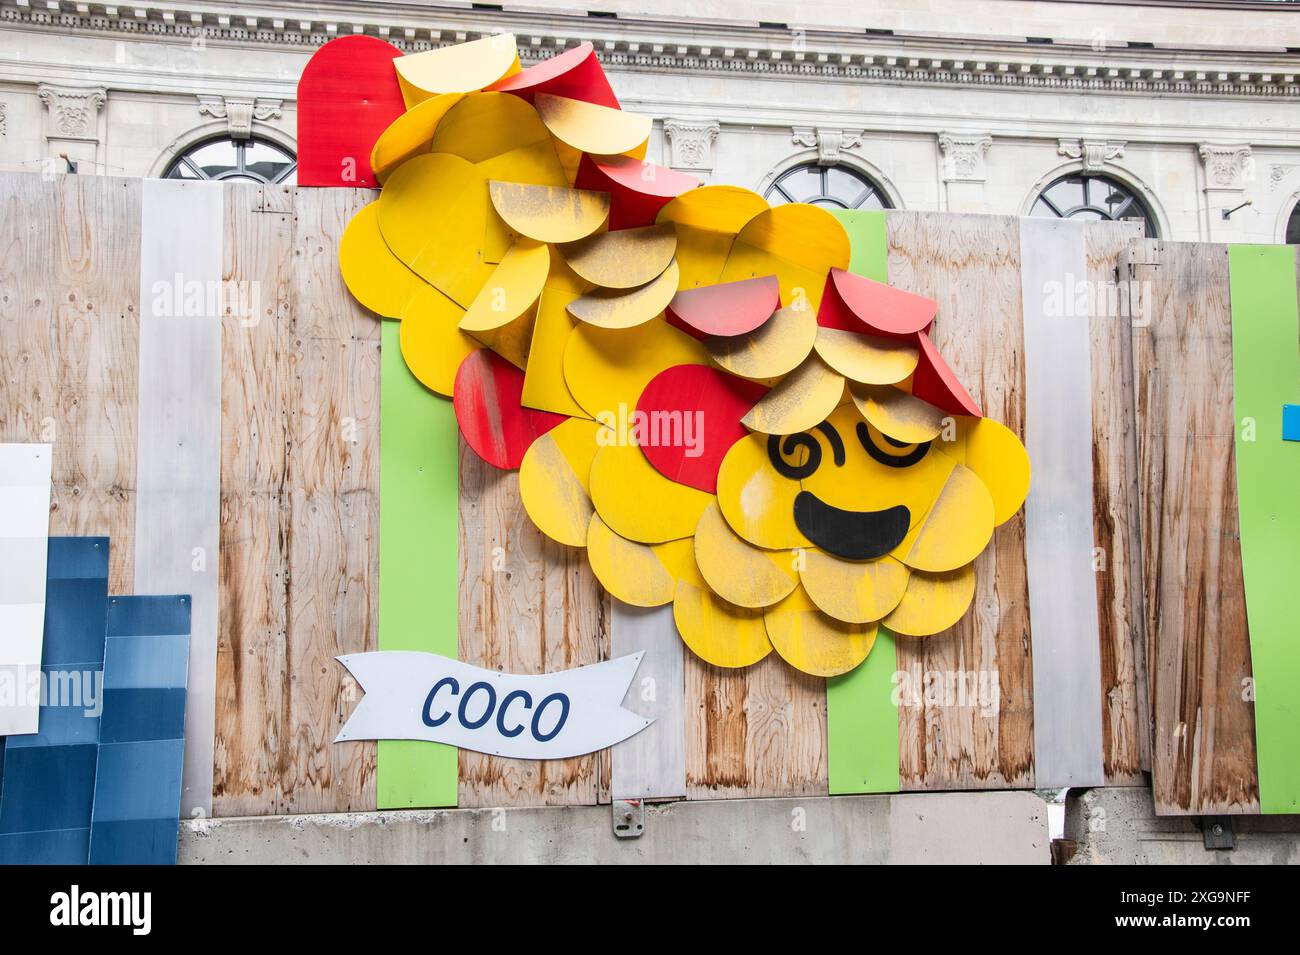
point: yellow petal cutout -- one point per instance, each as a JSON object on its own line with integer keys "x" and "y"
{"x": 810, "y": 641}
{"x": 410, "y": 135}
{"x": 718, "y": 632}
{"x": 958, "y": 526}
{"x": 627, "y": 570}
{"x": 376, "y": 278}
{"x": 933, "y": 602}
{"x": 511, "y": 289}
{"x": 624, "y": 259}
{"x": 806, "y": 396}
{"x": 639, "y": 503}
{"x": 736, "y": 571}
{"x": 851, "y": 591}
{"x": 992, "y": 450}
{"x": 591, "y": 128}
{"x": 553, "y": 479}
{"x": 867, "y": 358}
{"x": 460, "y": 68}
{"x": 776, "y": 347}
{"x": 757, "y": 502}
{"x": 606, "y": 308}
{"x": 549, "y": 213}
{"x": 898, "y": 414}
{"x": 432, "y": 344}
{"x": 605, "y": 367}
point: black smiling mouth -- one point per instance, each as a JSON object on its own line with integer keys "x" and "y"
{"x": 853, "y": 535}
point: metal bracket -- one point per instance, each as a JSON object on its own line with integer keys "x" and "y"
{"x": 629, "y": 818}
{"x": 1217, "y": 832}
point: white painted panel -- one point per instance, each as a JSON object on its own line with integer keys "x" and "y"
{"x": 25, "y": 471}
{"x": 178, "y": 496}
{"x": 652, "y": 764}
{"x": 1058, "y": 514}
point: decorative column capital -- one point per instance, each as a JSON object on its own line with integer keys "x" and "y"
{"x": 964, "y": 155}
{"x": 239, "y": 112}
{"x": 72, "y": 111}
{"x": 1227, "y": 165}
{"x": 691, "y": 143}
{"x": 1094, "y": 153}
{"x": 828, "y": 141}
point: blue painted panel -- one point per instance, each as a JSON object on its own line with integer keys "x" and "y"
{"x": 146, "y": 661}
{"x": 135, "y": 842}
{"x": 75, "y": 609}
{"x": 70, "y": 709}
{"x": 58, "y": 847}
{"x": 148, "y": 616}
{"x": 78, "y": 557}
{"x": 146, "y": 713}
{"x": 46, "y": 787}
{"x": 1291, "y": 422}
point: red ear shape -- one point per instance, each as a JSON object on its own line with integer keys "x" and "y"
{"x": 689, "y": 417}
{"x": 347, "y": 96}
{"x": 854, "y": 303}
{"x": 637, "y": 189}
{"x": 575, "y": 74}
{"x": 935, "y": 382}
{"x": 487, "y": 401}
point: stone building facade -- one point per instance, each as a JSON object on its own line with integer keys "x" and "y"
{"x": 1173, "y": 111}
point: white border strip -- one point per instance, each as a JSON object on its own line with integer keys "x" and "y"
{"x": 178, "y": 500}
{"x": 25, "y": 471}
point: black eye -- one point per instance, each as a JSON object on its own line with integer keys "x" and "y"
{"x": 884, "y": 449}
{"x": 784, "y": 453}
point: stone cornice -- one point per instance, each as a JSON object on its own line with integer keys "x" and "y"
{"x": 712, "y": 47}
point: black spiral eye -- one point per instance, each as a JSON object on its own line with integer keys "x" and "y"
{"x": 878, "y": 445}
{"x": 784, "y": 452}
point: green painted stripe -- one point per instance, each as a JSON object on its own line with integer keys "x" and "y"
{"x": 419, "y": 562}
{"x": 861, "y": 716}
{"x": 1266, "y": 374}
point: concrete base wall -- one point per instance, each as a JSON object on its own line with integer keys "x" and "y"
{"x": 1107, "y": 826}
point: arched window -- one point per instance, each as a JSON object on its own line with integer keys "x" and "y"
{"x": 243, "y": 160}
{"x": 836, "y": 187}
{"x": 1083, "y": 196}
{"x": 1293, "y": 226}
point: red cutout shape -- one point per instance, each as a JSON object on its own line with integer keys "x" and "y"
{"x": 732, "y": 308}
{"x": 691, "y": 418}
{"x": 637, "y": 189}
{"x": 854, "y": 303}
{"x": 575, "y": 73}
{"x": 935, "y": 382}
{"x": 347, "y": 96}
{"x": 487, "y": 400}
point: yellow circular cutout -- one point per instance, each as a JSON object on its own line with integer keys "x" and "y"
{"x": 624, "y": 259}
{"x": 803, "y": 398}
{"x": 606, "y": 308}
{"x": 591, "y": 128}
{"x": 553, "y": 481}
{"x": 410, "y": 135}
{"x": 639, "y": 503}
{"x": 898, "y": 414}
{"x": 850, "y": 591}
{"x": 775, "y": 348}
{"x": 375, "y": 277}
{"x": 757, "y": 502}
{"x": 432, "y": 345}
{"x": 718, "y": 632}
{"x": 867, "y": 358}
{"x": 992, "y": 450}
{"x": 512, "y": 289}
{"x": 958, "y": 526}
{"x": 460, "y": 68}
{"x": 608, "y": 368}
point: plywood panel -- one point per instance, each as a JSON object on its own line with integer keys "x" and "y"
{"x": 652, "y": 764}
{"x": 69, "y": 308}
{"x": 1058, "y": 511}
{"x": 527, "y": 605}
{"x": 1118, "y": 303}
{"x": 760, "y": 731}
{"x": 1203, "y": 745}
{"x": 300, "y": 437}
{"x": 949, "y": 735}
{"x": 178, "y": 467}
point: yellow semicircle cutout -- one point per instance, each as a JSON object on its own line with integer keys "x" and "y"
{"x": 553, "y": 479}
{"x": 376, "y": 278}
{"x": 775, "y": 348}
{"x": 896, "y": 413}
{"x": 714, "y": 208}
{"x": 624, "y": 259}
{"x": 958, "y": 526}
{"x": 802, "y": 399}
{"x": 851, "y": 591}
{"x": 460, "y": 68}
{"x": 757, "y": 502}
{"x": 606, "y": 308}
{"x": 810, "y": 641}
{"x": 432, "y": 344}
{"x": 549, "y": 213}
{"x": 591, "y": 128}
{"x": 992, "y": 450}
{"x": 933, "y": 602}
{"x": 867, "y": 358}
{"x": 410, "y": 135}
{"x": 639, "y": 503}
{"x": 513, "y": 287}
{"x": 627, "y": 570}
{"x": 718, "y": 632}
{"x": 797, "y": 243}
{"x": 736, "y": 571}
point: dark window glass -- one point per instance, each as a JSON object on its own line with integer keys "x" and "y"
{"x": 1293, "y": 227}
{"x": 1081, "y": 196}
{"x": 246, "y": 160}
{"x": 833, "y": 187}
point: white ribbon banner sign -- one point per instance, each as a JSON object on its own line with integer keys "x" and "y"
{"x": 411, "y": 695}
